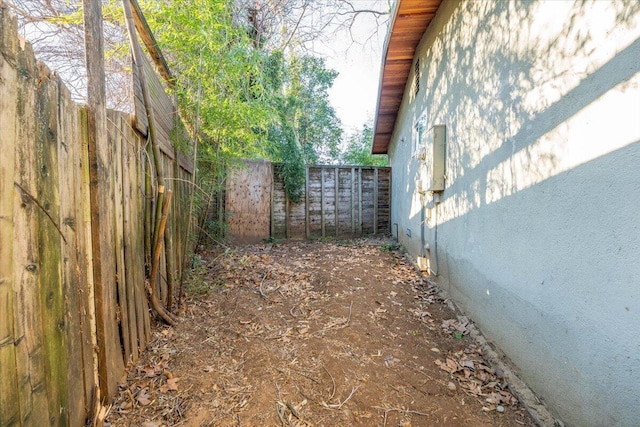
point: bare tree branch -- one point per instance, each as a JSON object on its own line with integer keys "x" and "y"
{"x": 54, "y": 29}
{"x": 299, "y": 24}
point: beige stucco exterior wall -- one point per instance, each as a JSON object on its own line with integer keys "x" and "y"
{"x": 538, "y": 229}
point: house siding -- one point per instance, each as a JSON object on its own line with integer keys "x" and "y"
{"x": 538, "y": 228}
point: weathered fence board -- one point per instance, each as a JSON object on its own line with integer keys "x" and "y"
{"x": 50, "y": 251}
{"x": 33, "y": 403}
{"x": 127, "y": 245}
{"x": 74, "y": 283}
{"x": 77, "y": 226}
{"x": 165, "y": 113}
{"x": 9, "y": 385}
{"x": 101, "y": 189}
{"x": 133, "y": 251}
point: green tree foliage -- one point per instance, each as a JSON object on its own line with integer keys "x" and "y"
{"x": 206, "y": 49}
{"x": 306, "y": 129}
{"x": 318, "y": 129}
{"x": 358, "y": 149}
{"x": 253, "y": 103}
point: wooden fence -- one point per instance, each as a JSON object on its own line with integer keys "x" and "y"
{"x": 337, "y": 201}
{"x": 248, "y": 201}
{"x": 65, "y": 333}
{"x": 342, "y": 201}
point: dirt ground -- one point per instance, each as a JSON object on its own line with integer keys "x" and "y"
{"x": 331, "y": 333}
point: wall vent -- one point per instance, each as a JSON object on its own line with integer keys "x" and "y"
{"x": 416, "y": 78}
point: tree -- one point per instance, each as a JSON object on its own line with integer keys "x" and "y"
{"x": 299, "y": 24}
{"x": 316, "y": 125}
{"x": 54, "y": 29}
{"x": 306, "y": 129}
{"x": 358, "y": 149}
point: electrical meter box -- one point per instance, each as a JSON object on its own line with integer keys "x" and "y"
{"x": 435, "y": 146}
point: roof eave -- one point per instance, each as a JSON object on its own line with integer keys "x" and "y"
{"x": 409, "y": 20}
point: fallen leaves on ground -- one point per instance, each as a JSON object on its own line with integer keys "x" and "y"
{"x": 474, "y": 375}
{"x": 313, "y": 334}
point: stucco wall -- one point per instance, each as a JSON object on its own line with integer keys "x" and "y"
{"x": 538, "y": 229}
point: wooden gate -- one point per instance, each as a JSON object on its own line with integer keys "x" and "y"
{"x": 248, "y": 202}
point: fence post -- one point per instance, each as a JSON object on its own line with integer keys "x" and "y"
{"x": 337, "y": 198}
{"x": 375, "y": 201}
{"x": 322, "y": 199}
{"x": 110, "y": 361}
{"x": 360, "y": 201}
{"x": 287, "y": 226}
{"x": 307, "y": 221}
{"x": 353, "y": 189}
{"x": 272, "y": 232}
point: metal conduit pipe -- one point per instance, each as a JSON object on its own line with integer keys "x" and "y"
{"x": 436, "y": 202}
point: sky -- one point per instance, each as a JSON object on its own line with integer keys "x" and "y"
{"x": 355, "y": 90}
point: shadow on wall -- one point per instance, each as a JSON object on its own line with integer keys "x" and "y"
{"x": 508, "y": 108}
{"x": 562, "y": 299}
{"x": 542, "y": 125}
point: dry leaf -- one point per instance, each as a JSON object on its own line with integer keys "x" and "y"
{"x": 468, "y": 364}
{"x": 143, "y": 398}
{"x": 171, "y": 385}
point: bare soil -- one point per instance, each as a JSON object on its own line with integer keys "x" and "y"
{"x": 342, "y": 333}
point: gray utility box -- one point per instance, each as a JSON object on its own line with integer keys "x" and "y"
{"x": 434, "y": 157}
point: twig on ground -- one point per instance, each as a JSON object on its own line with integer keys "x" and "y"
{"x": 293, "y": 410}
{"x": 341, "y": 404}
{"x": 131, "y": 398}
{"x": 306, "y": 376}
{"x": 402, "y": 391}
{"x": 406, "y": 411}
{"x": 442, "y": 383}
{"x": 340, "y": 323}
{"x": 240, "y": 364}
{"x": 261, "y": 282}
{"x": 280, "y": 412}
{"x": 309, "y": 398}
{"x": 333, "y": 391}
{"x": 234, "y": 310}
{"x": 349, "y": 318}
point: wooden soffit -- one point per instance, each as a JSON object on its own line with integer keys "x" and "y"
{"x": 409, "y": 21}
